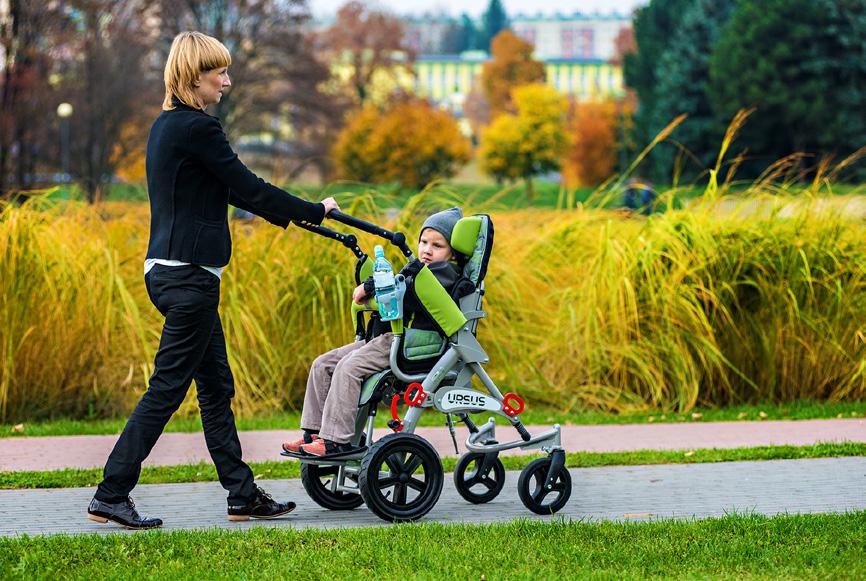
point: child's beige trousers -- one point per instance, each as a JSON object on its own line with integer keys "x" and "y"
{"x": 334, "y": 386}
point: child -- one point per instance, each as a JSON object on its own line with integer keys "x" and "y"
{"x": 336, "y": 377}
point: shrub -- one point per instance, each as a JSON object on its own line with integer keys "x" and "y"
{"x": 412, "y": 143}
{"x": 592, "y": 157}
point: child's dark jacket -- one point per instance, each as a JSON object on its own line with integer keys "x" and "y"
{"x": 414, "y": 314}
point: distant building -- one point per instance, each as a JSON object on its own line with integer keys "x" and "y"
{"x": 447, "y": 79}
{"x": 575, "y": 36}
{"x": 558, "y": 36}
{"x": 427, "y": 34}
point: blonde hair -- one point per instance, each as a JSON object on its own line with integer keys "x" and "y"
{"x": 191, "y": 54}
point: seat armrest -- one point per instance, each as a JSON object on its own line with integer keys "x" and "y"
{"x": 472, "y": 315}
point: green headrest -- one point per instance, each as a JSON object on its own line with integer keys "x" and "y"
{"x": 473, "y": 238}
{"x": 465, "y": 235}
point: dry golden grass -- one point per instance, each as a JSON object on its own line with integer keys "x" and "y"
{"x": 587, "y": 308}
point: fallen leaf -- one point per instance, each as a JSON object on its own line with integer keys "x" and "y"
{"x": 257, "y": 477}
{"x": 651, "y": 419}
{"x": 19, "y": 428}
{"x": 853, "y": 414}
{"x": 663, "y": 417}
{"x": 689, "y": 453}
{"x": 840, "y": 416}
{"x": 742, "y": 415}
{"x": 637, "y": 514}
{"x": 697, "y": 416}
{"x": 762, "y": 415}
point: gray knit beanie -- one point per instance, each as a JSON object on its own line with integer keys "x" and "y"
{"x": 443, "y": 222}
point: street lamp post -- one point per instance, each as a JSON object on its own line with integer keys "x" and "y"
{"x": 64, "y": 111}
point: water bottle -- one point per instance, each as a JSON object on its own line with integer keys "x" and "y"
{"x": 389, "y": 289}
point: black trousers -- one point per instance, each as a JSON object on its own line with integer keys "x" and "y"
{"x": 192, "y": 346}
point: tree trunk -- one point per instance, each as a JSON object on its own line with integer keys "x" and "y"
{"x": 530, "y": 191}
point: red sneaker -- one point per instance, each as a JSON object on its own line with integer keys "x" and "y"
{"x": 294, "y": 446}
{"x": 317, "y": 448}
{"x": 326, "y": 448}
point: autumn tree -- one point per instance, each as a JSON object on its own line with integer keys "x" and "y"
{"x": 591, "y": 159}
{"x": 28, "y": 131}
{"x": 111, "y": 46}
{"x": 353, "y": 157}
{"x": 512, "y": 65}
{"x": 275, "y": 66}
{"x": 530, "y": 143}
{"x": 623, "y": 44}
{"x": 369, "y": 44}
{"x": 412, "y": 143}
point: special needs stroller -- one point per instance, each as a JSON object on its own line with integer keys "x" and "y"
{"x": 400, "y": 476}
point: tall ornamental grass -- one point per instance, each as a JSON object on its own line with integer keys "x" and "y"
{"x": 721, "y": 302}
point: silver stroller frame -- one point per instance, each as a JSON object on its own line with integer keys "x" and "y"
{"x": 352, "y": 479}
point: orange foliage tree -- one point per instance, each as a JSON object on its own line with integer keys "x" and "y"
{"x": 411, "y": 143}
{"x": 512, "y": 66}
{"x": 591, "y": 159}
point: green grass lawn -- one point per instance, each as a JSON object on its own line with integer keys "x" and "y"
{"x": 202, "y": 472}
{"x": 799, "y": 410}
{"x": 736, "y": 546}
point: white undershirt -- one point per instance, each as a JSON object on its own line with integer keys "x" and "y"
{"x": 217, "y": 271}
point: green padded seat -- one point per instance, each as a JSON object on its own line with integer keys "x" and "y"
{"x": 370, "y": 385}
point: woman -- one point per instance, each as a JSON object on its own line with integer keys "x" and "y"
{"x": 192, "y": 177}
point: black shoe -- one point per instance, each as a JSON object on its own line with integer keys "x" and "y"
{"x": 122, "y": 513}
{"x": 261, "y": 506}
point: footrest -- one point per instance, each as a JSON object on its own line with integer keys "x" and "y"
{"x": 301, "y": 456}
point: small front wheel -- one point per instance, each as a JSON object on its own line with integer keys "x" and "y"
{"x": 478, "y": 477}
{"x": 533, "y": 491}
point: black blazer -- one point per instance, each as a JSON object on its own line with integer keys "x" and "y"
{"x": 192, "y": 177}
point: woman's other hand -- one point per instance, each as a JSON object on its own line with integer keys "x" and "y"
{"x": 359, "y": 295}
{"x": 330, "y": 204}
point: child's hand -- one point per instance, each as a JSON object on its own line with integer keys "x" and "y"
{"x": 359, "y": 295}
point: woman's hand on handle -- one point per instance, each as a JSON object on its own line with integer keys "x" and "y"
{"x": 330, "y": 204}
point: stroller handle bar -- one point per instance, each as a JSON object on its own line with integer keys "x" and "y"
{"x": 398, "y": 239}
{"x": 350, "y": 241}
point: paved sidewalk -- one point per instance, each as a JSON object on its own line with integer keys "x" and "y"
{"x": 53, "y": 453}
{"x": 610, "y": 493}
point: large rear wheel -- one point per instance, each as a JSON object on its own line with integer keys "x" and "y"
{"x": 318, "y": 481}
{"x": 401, "y": 477}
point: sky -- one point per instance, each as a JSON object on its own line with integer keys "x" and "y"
{"x": 323, "y": 8}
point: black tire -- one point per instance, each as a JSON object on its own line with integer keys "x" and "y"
{"x": 418, "y": 470}
{"x": 476, "y": 483}
{"x": 316, "y": 480}
{"x": 530, "y": 487}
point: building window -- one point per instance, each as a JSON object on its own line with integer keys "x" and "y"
{"x": 585, "y": 48}
{"x": 567, "y": 41}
